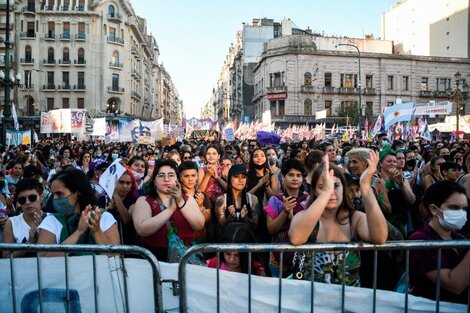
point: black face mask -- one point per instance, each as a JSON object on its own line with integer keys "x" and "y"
{"x": 447, "y": 157}
{"x": 411, "y": 163}
{"x": 259, "y": 166}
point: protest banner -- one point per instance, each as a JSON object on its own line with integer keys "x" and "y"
{"x": 110, "y": 176}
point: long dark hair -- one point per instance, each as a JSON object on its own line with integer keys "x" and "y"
{"x": 239, "y": 233}
{"x": 252, "y": 178}
{"x": 231, "y": 200}
{"x": 76, "y": 181}
{"x": 346, "y": 204}
{"x": 158, "y": 165}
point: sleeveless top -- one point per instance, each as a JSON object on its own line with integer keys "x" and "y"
{"x": 214, "y": 189}
{"x": 328, "y": 265}
{"x": 159, "y": 238}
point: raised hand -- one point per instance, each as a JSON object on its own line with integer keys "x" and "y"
{"x": 327, "y": 176}
{"x": 199, "y": 198}
{"x": 366, "y": 177}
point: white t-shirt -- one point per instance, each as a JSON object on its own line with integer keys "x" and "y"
{"x": 54, "y": 226}
{"x": 20, "y": 228}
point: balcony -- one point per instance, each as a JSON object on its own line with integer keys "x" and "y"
{"x": 65, "y": 8}
{"x": 136, "y": 96}
{"x": 49, "y": 35}
{"x": 28, "y": 34}
{"x": 80, "y": 36}
{"x": 330, "y": 90}
{"x": 115, "y": 40}
{"x": 29, "y": 9}
{"x": 80, "y": 8}
{"x": 4, "y": 25}
{"x": 115, "y": 89}
{"x": 441, "y": 94}
{"x": 306, "y": 88}
{"x": 134, "y": 50}
{"x": 64, "y": 62}
{"x": 79, "y": 87}
{"x": 26, "y": 61}
{"x": 136, "y": 75}
{"x": 116, "y": 65}
{"x": 27, "y": 87}
{"x": 79, "y": 62}
{"x": 426, "y": 93}
{"x": 48, "y": 8}
{"x": 349, "y": 91}
{"x": 49, "y": 62}
{"x": 115, "y": 17}
{"x": 48, "y": 87}
{"x": 64, "y": 87}
{"x": 65, "y": 36}
{"x": 369, "y": 91}
{"x": 276, "y": 89}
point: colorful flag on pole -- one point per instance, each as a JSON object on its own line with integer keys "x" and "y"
{"x": 425, "y": 134}
{"x": 16, "y": 125}
{"x": 377, "y": 126}
{"x": 400, "y": 112}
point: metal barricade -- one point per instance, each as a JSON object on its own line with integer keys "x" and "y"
{"x": 93, "y": 249}
{"x": 406, "y": 246}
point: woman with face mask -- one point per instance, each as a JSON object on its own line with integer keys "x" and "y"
{"x": 140, "y": 171}
{"x": 76, "y": 221}
{"x": 447, "y": 204}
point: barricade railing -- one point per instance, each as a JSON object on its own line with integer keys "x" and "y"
{"x": 90, "y": 249}
{"x": 406, "y": 246}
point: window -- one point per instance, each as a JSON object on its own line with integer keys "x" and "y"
{"x": 66, "y": 5}
{"x": 328, "y": 105}
{"x": 27, "y": 79}
{"x": 66, "y": 80}
{"x": 66, "y": 33}
{"x": 112, "y": 34}
{"x": 50, "y": 55}
{"x": 390, "y": 82}
{"x": 308, "y": 79}
{"x": 81, "y": 30}
{"x": 80, "y": 103}
{"x": 115, "y": 58}
{"x": 115, "y": 82}
{"x": 51, "y": 30}
{"x": 443, "y": 84}
{"x": 277, "y": 79}
{"x": 369, "y": 79}
{"x": 424, "y": 83}
{"x": 65, "y": 103}
{"x": 327, "y": 79}
{"x": 273, "y": 108}
{"x": 81, "y": 56}
{"x": 308, "y": 107}
{"x": 66, "y": 55}
{"x": 81, "y": 79}
{"x": 281, "y": 107}
{"x": 50, "y": 104}
{"x": 50, "y": 78}
{"x": 348, "y": 81}
{"x": 28, "y": 54}
{"x": 111, "y": 11}
{"x": 405, "y": 83}
{"x": 30, "y": 32}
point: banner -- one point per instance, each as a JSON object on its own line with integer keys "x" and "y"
{"x": 61, "y": 121}
{"x": 46, "y": 124}
{"x": 99, "y": 127}
{"x": 110, "y": 176}
{"x": 434, "y": 108}
{"x": 320, "y": 115}
{"x": 77, "y": 117}
{"x": 17, "y": 137}
{"x": 197, "y": 124}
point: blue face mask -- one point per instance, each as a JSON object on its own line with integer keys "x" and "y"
{"x": 114, "y": 156}
{"x": 346, "y": 160}
{"x": 62, "y": 205}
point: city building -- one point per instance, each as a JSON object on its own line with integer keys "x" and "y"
{"x": 94, "y": 55}
{"x": 431, "y": 27}
{"x": 295, "y": 78}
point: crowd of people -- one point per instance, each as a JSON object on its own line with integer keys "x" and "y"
{"x": 242, "y": 192}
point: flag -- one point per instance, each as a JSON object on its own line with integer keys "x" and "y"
{"x": 425, "y": 134}
{"x": 377, "y": 126}
{"x": 35, "y": 137}
{"x": 366, "y": 125}
{"x": 15, "y": 117}
{"x": 398, "y": 113}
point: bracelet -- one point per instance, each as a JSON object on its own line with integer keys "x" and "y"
{"x": 182, "y": 206}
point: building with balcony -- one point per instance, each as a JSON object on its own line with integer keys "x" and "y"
{"x": 95, "y": 55}
{"x": 294, "y": 79}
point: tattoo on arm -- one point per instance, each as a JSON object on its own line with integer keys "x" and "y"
{"x": 219, "y": 203}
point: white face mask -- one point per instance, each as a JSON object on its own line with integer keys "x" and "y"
{"x": 453, "y": 219}
{"x": 138, "y": 176}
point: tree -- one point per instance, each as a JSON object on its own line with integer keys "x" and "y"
{"x": 351, "y": 109}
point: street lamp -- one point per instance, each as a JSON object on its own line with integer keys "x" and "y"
{"x": 6, "y": 78}
{"x": 457, "y": 96}
{"x": 361, "y": 109}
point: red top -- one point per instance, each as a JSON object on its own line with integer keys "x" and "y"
{"x": 159, "y": 238}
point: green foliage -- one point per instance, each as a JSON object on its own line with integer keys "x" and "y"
{"x": 351, "y": 110}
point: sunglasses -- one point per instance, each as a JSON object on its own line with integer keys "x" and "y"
{"x": 31, "y": 198}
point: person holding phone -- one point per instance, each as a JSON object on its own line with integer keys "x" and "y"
{"x": 165, "y": 204}
{"x": 23, "y": 228}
